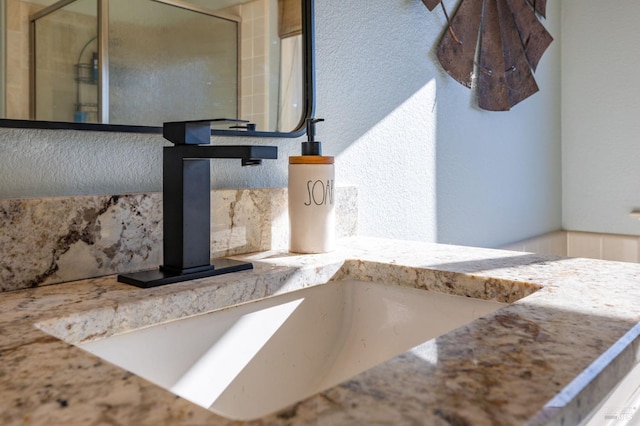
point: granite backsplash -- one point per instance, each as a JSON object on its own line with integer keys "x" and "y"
{"x": 46, "y": 241}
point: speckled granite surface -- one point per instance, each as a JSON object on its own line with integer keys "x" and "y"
{"x": 46, "y": 241}
{"x": 544, "y": 359}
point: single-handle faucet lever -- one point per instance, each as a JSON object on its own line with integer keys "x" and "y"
{"x": 186, "y": 204}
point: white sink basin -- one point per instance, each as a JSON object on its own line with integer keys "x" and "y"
{"x": 250, "y": 360}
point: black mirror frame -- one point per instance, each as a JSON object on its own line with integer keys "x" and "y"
{"x": 308, "y": 45}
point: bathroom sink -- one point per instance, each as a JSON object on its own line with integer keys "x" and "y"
{"x": 249, "y": 360}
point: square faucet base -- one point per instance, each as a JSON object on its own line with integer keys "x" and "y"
{"x": 158, "y": 277}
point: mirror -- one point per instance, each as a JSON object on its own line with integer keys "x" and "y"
{"x": 130, "y": 65}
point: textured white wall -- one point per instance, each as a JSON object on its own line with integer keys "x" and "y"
{"x": 428, "y": 165}
{"x": 601, "y": 115}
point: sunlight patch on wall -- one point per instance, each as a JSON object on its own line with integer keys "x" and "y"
{"x": 403, "y": 145}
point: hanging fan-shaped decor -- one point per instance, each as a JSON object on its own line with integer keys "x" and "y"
{"x": 510, "y": 42}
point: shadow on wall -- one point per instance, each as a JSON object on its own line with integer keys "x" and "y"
{"x": 499, "y": 173}
{"x": 430, "y": 165}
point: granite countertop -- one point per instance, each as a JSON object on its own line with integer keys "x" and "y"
{"x": 569, "y": 333}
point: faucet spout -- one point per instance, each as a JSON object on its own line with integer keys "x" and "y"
{"x": 246, "y": 153}
{"x": 187, "y": 213}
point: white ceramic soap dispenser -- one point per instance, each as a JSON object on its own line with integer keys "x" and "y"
{"x": 311, "y": 197}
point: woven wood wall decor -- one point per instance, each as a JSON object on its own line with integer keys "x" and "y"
{"x": 510, "y": 41}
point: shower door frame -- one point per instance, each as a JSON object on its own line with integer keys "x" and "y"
{"x": 103, "y": 48}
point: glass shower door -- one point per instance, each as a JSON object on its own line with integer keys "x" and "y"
{"x": 64, "y": 55}
{"x": 159, "y": 68}
{"x": 130, "y": 62}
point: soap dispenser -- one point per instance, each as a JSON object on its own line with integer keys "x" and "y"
{"x": 311, "y": 197}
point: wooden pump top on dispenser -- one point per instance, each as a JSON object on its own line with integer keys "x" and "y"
{"x": 311, "y": 149}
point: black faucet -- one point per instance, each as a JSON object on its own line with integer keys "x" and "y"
{"x": 186, "y": 204}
